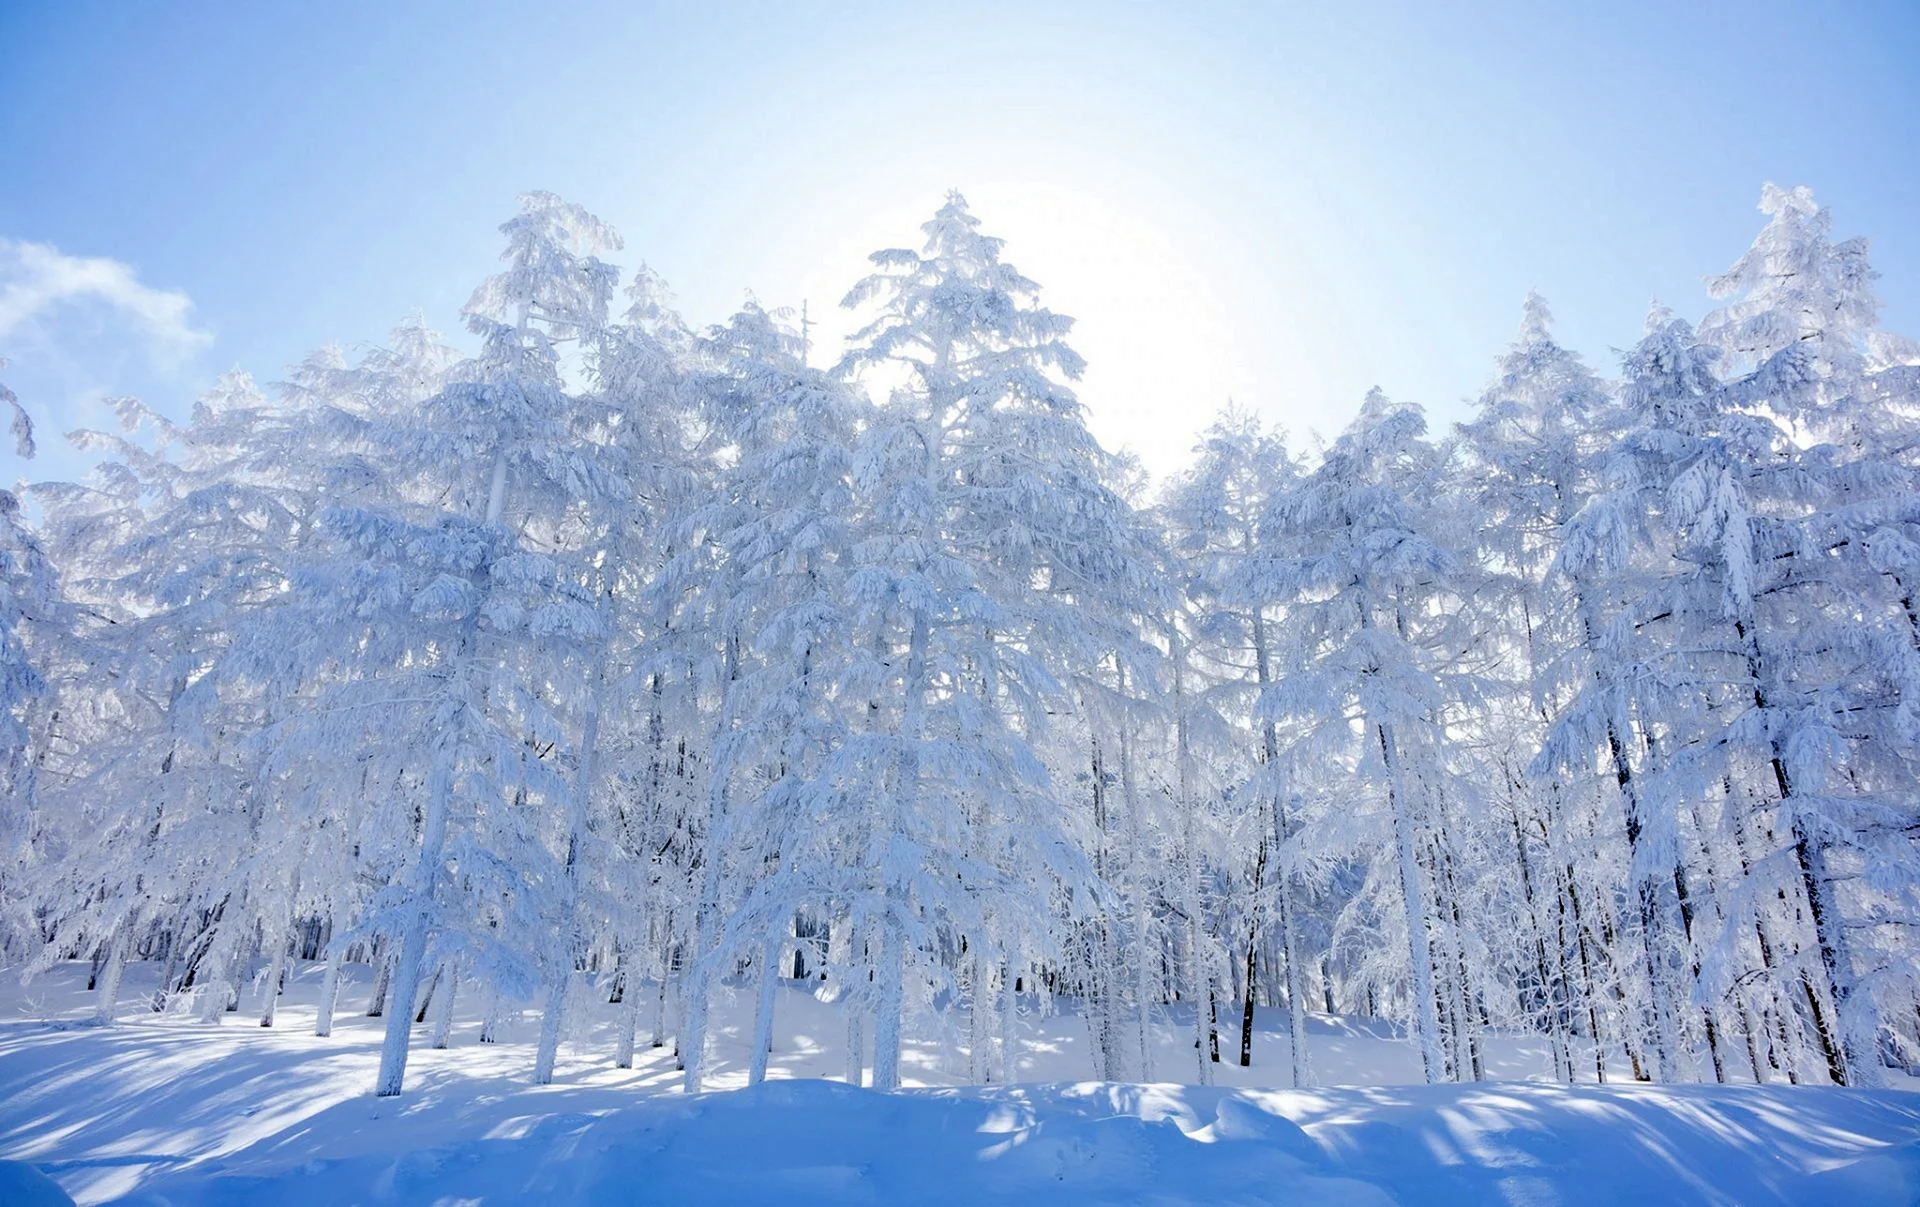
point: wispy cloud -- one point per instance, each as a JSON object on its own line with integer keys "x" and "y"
{"x": 37, "y": 280}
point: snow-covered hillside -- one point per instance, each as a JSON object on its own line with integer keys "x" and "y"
{"x": 167, "y": 1109}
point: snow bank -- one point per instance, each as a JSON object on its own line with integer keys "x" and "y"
{"x": 818, "y": 1142}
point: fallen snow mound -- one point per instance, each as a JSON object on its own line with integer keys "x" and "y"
{"x": 818, "y": 1142}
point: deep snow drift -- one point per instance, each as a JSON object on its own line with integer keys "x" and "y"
{"x": 168, "y": 1110}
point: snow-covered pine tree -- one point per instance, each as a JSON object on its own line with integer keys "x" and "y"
{"x": 974, "y": 457}
{"x": 1531, "y": 460}
{"x": 783, "y": 523}
{"x": 178, "y": 552}
{"x": 451, "y": 620}
{"x": 1709, "y": 697}
{"x": 1360, "y": 552}
{"x": 29, "y": 622}
{"x": 1835, "y": 634}
{"x": 1215, "y": 509}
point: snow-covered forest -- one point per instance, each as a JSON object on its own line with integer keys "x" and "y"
{"x": 614, "y": 660}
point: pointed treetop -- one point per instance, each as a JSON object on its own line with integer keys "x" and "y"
{"x": 1799, "y": 307}
{"x": 1668, "y": 375}
{"x": 22, "y": 427}
{"x": 755, "y": 333}
{"x": 1536, "y": 321}
{"x": 1794, "y": 203}
{"x": 953, "y": 229}
{"x": 232, "y": 391}
{"x": 1375, "y": 406}
{"x": 957, "y": 291}
{"x": 553, "y": 272}
{"x": 548, "y": 218}
{"x": 1381, "y": 423}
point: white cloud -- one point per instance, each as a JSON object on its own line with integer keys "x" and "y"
{"x": 36, "y": 279}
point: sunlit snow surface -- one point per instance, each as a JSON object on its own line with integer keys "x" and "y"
{"x": 166, "y": 1110}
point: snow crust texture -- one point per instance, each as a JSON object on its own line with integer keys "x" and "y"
{"x": 818, "y": 1142}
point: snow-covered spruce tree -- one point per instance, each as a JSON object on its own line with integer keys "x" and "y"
{"x": 455, "y": 625}
{"x": 1047, "y": 508}
{"x": 1800, "y": 324}
{"x": 30, "y": 620}
{"x": 1796, "y": 290}
{"x": 1725, "y": 676}
{"x": 324, "y": 443}
{"x": 1105, "y": 566}
{"x": 975, "y": 456}
{"x": 1361, "y": 553}
{"x": 782, "y": 523}
{"x": 1215, "y": 510}
{"x": 646, "y": 428}
{"x": 1645, "y": 676}
{"x": 275, "y": 470}
{"x": 177, "y": 553}
{"x": 609, "y": 511}
{"x": 1737, "y": 496}
{"x": 1531, "y": 461}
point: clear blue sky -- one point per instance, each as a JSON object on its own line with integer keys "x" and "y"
{"x": 1282, "y": 203}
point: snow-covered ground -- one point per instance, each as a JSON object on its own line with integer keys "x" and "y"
{"x": 164, "y": 1109}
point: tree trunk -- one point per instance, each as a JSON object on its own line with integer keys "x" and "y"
{"x": 1552, "y": 991}
{"x": 547, "y": 1048}
{"x": 490, "y": 1018}
{"x": 856, "y": 1044}
{"x": 382, "y": 979}
{"x": 1839, "y": 1042}
{"x": 891, "y": 984}
{"x": 224, "y": 957}
{"x": 1009, "y": 1021}
{"x": 1855, "y": 1059}
{"x": 407, "y": 970}
{"x": 1283, "y": 905}
{"x": 630, "y": 982}
{"x": 329, "y": 992}
{"x": 979, "y": 1020}
{"x": 1199, "y": 979}
{"x": 661, "y": 995}
{"x": 1657, "y": 921}
{"x": 1143, "y": 965}
{"x": 276, "y": 970}
{"x": 443, "y": 1005}
{"x": 696, "y": 989}
{"x": 109, "y": 990}
{"x": 768, "y": 975}
{"x": 176, "y": 939}
{"x": 1246, "y": 1011}
{"x": 579, "y": 805}
{"x": 854, "y": 998}
{"x": 1413, "y": 898}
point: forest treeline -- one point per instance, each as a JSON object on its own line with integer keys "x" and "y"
{"x": 620, "y": 657}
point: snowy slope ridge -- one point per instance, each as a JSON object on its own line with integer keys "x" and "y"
{"x": 820, "y": 1142}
